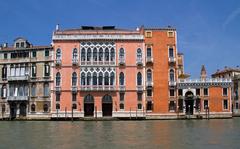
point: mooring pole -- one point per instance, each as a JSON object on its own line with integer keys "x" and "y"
{"x": 72, "y": 113}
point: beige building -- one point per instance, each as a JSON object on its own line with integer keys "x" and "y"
{"x": 25, "y": 80}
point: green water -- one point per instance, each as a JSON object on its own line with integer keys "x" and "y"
{"x": 187, "y": 134}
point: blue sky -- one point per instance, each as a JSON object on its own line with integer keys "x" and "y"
{"x": 208, "y": 30}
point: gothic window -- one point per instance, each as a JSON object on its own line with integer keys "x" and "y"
{"x": 58, "y": 54}
{"x": 106, "y": 54}
{"x": 121, "y": 53}
{"x": 171, "y": 52}
{"x": 149, "y": 52}
{"x": 74, "y": 54}
{"x": 74, "y": 79}
{"x": 139, "y": 53}
{"x": 112, "y": 54}
{"x": 100, "y": 58}
{"x": 89, "y": 55}
{"x": 172, "y": 75}
{"x": 95, "y": 54}
{"x": 111, "y": 78}
{"x": 83, "y": 79}
{"x": 58, "y": 79}
{"x": 106, "y": 78}
{"x": 149, "y": 75}
{"x": 100, "y": 79}
{"x": 83, "y": 54}
{"x": 88, "y": 78}
{"x": 94, "y": 78}
{"x": 121, "y": 78}
{"x": 139, "y": 78}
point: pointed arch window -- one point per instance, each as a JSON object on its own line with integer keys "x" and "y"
{"x": 58, "y": 79}
{"x": 100, "y": 58}
{"x": 88, "y": 78}
{"x": 95, "y": 54}
{"x": 83, "y": 54}
{"x": 139, "y": 78}
{"x": 106, "y": 78}
{"x": 89, "y": 55}
{"x": 121, "y": 78}
{"x": 111, "y": 78}
{"x": 58, "y": 54}
{"x": 74, "y": 79}
{"x": 106, "y": 54}
{"x": 139, "y": 53}
{"x": 83, "y": 82}
{"x": 149, "y": 75}
{"x": 100, "y": 79}
{"x": 74, "y": 54}
{"x": 94, "y": 78}
{"x": 171, "y": 75}
{"x": 112, "y": 54}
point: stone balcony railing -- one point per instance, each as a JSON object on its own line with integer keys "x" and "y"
{"x": 172, "y": 83}
{"x": 18, "y": 78}
{"x": 139, "y": 61}
{"x": 140, "y": 88}
{"x": 121, "y": 60}
{"x": 149, "y": 59}
{"x": 58, "y": 88}
{"x": 172, "y": 59}
{"x": 122, "y": 88}
{"x": 149, "y": 83}
{"x": 75, "y": 61}
{"x": 97, "y": 87}
{"x": 17, "y": 98}
{"x": 58, "y": 61}
{"x": 74, "y": 89}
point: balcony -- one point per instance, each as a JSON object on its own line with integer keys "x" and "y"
{"x": 149, "y": 98}
{"x": 121, "y": 61}
{"x": 139, "y": 61}
{"x": 75, "y": 61}
{"x": 17, "y": 98}
{"x": 149, "y": 59}
{"x": 18, "y": 78}
{"x": 97, "y": 88}
{"x": 140, "y": 88}
{"x": 58, "y": 88}
{"x": 172, "y": 60}
{"x": 149, "y": 83}
{"x": 122, "y": 88}
{"x": 74, "y": 89}
{"x": 172, "y": 83}
{"x": 58, "y": 62}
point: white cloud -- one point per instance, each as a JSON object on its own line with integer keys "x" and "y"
{"x": 231, "y": 17}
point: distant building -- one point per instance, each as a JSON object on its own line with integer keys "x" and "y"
{"x": 25, "y": 80}
{"x": 234, "y": 74}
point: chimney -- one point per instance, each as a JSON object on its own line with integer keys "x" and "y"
{"x": 5, "y": 45}
{"x": 57, "y": 27}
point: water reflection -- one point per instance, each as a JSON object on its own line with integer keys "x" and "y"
{"x": 121, "y": 134}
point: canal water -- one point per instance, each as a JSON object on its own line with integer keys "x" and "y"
{"x": 166, "y": 134}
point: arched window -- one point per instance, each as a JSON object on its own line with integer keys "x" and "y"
{"x": 74, "y": 79}
{"x": 121, "y": 78}
{"x": 139, "y": 78}
{"x": 83, "y": 82}
{"x": 95, "y": 54}
{"x": 171, "y": 52}
{"x": 58, "y": 79}
{"x": 139, "y": 53}
{"x": 4, "y": 72}
{"x": 88, "y": 78}
{"x": 83, "y": 54}
{"x": 121, "y": 53}
{"x": 112, "y": 54}
{"x": 106, "y": 78}
{"x": 57, "y": 106}
{"x": 33, "y": 107}
{"x": 94, "y": 78}
{"x": 45, "y": 107}
{"x": 106, "y": 54}
{"x": 74, "y": 106}
{"x": 111, "y": 78}
{"x": 100, "y": 78}
{"x": 171, "y": 75}
{"x": 100, "y": 58}
{"x": 74, "y": 54}
{"x": 89, "y": 54}
{"x": 58, "y": 54}
{"x": 149, "y": 75}
{"x": 4, "y": 91}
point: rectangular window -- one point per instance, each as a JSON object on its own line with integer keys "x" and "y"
{"x": 236, "y": 105}
{"x": 225, "y": 91}
{"x": 205, "y": 91}
{"x": 205, "y": 104}
{"x": 149, "y": 92}
{"x": 34, "y": 54}
{"x": 46, "y": 89}
{"x": 225, "y": 104}
{"x": 139, "y": 96}
{"x": 74, "y": 97}
{"x": 148, "y": 34}
{"x": 180, "y": 92}
{"x": 198, "y": 91}
{"x": 171, "y": 106}
{"x": 170, "y": 34}
{"x": 33, "y": 90}
{"x": 22, "y": 44}
{"x": 171, "y": 91}
{"x": 57, "y": 97}
{"x": 46, "y": 53}
{"x": 121, "y": 96}
{"x": 149, "y": 52}
{"x": 34, "y": 74}
{"x": 139, "y": 106}
{"x": 46, "y": 70}
{"x": 121, "y": 106}
{"x": 5, "y": 55}
{"x": 17, "y": 45}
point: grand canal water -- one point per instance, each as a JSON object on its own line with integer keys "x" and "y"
{"x": 186, "y": 134}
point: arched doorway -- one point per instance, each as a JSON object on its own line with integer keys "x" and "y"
{"x": 13, "y": 110}
{"x": 23, "y": 109}
{"x": 107, "y": 105}
{"x": 88, "y": 105}
{"x": 189, "y": 103}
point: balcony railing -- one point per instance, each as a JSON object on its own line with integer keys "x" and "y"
{"x": 149, "y": 83}
{"x": 172, "y": 83}
{"x": 17, "y": 98}
{"x": 97, "y": 63}
{"x": 75, "y": 61}
{"x": 97, "y": 88}
{"x": 139, "y": 61}
{"x": 18, "y": 78}
{"x": 58, "y": 88}
{"x": 58, "y": 61}
{"x": 140, "y": 88}
{"x": 122, "y": 88}
{"x": 74, "y": 89}
{"x": 121, "y": 61}
{"x": 149, "y": 59}
{"x": 172, "y": 59}
{"x": 149, "y": 98}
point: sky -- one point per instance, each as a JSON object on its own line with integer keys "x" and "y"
{"x": 208, "y": 31}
